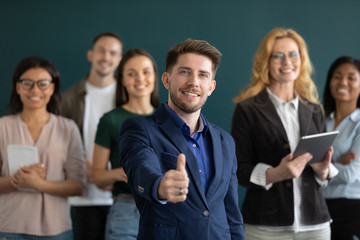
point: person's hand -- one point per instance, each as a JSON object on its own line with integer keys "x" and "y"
{"x": 108, "y": 188}
{"x": 15, "y": 178}
{"x": 122, "y": 175}
{"x": 174, "y": 186}
{"x": 347, "y": 158}
{"x": 26, "y": 177}
{"x": 288, "y": 168}
{"x": 322, "y": 168}
{"x": 293, "y": 167}
{"x": 40, "y": 169}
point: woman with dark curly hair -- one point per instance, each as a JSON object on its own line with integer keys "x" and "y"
{"x": 341, "y": 103}
{"x": 137, "y": 94}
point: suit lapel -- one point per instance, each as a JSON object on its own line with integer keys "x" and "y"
{"x": 265, "y": 106}
{"x": 218, "y": 162}
{"x": 170, "y": 129}
{"x": 305, "y": 117}
{"x": 267, "y": 109}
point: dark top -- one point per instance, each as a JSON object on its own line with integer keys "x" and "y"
{"x": 260, "y": 137}
{"x": 107, "y": 135}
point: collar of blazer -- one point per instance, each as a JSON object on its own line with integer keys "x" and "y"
{"x": 267, "y": 109}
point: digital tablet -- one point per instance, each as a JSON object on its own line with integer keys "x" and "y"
{"x": 20, "y": 155}
{"x": 316, "y": 144}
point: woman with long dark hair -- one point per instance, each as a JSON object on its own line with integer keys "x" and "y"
{"x": 33, "y": 201}
{"x": 341, "y": 103}
{"x": 136, "y": 94}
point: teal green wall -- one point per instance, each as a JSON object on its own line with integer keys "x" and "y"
{"x": 62, "y": 31}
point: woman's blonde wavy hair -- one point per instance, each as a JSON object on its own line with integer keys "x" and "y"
{"x": 304, "y": 85}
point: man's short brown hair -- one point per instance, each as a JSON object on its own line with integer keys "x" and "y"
{"x": 108, "y": 34}
{"x": 200, "y": 47}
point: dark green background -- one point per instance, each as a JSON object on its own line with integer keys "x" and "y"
{"x": 62, "y": 32}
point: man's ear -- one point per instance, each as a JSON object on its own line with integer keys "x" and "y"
{"x": 89, "y": 55}
{"x": 165, "y": 80}
{"x": 212, "y": 87}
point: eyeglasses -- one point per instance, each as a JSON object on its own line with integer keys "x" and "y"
{"x": 28, "y": 84}
{"x": 280, "y": 57}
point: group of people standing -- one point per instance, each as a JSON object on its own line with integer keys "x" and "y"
{"x": 135, "y": 168}
{"x": 99, "y": 104}
{"x": 102, "y": 205}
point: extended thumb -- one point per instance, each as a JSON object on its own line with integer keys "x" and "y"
{"x": 181, "y": 162}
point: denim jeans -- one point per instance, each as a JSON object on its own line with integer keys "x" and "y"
{"x": 123, "y": 221}
{"x": 18, "y": 236}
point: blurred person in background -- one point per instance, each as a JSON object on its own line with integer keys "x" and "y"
{"x": 33, "y": 201}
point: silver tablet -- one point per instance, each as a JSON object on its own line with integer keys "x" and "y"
{"x": 316, "y": 144}
{"x": 21, "y": 155}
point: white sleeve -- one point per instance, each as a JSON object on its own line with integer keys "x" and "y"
{"x": 258, "y": 175}
{"x": 333, "y": 171}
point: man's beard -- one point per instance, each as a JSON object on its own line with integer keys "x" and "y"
{"x": 102, "y": 74}
{"x": 183, "y": 106}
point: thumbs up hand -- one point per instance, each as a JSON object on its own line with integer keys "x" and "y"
{"x": 174, "y": 186}
{"x": 181, "y": 163}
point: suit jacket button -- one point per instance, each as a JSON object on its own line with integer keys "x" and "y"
{"x": 206, "y": 213}
{"x": 286, "y": 146}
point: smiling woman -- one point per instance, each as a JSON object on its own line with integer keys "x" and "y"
{"x": 137, "y": 94}
{"x": 279, "y": 106}
{"x": 284, "y": 65}
{"x": 35, "y": 88}
{"x": 341, "y": 104}
{"x": 60, "y": 171}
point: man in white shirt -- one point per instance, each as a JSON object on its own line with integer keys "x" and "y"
{"x": 85, "y": 103}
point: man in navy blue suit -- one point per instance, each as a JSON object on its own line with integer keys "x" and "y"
{"x": 180, "y": 167}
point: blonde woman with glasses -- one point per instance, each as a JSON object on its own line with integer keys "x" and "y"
{"x": 283, "y": 199}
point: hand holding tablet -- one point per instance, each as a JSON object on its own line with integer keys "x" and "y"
{"x": 21, "y": 155}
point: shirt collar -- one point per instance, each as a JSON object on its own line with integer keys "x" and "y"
{"x": 354, "y": 116}
{"x": 203, "y": 126}
{"x": 278, "y": 102}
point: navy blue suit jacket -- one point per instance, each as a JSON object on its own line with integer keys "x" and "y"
{"x": 149, "y": 147}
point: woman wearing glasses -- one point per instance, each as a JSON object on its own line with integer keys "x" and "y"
{"x": 33, "y": 201}
{"x": 283, "y": 199}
